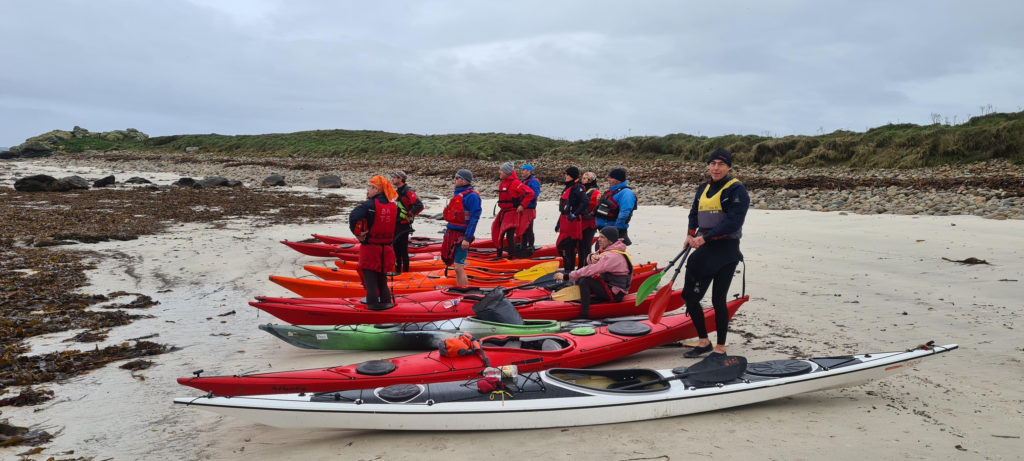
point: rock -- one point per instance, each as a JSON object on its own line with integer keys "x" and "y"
{"x": 212, "y": 181}
{"x": 328, "y": 182}
{"x": 74, "y": 183}
{"x": 36, "y": 183}
{"x": 79, "y": 132}
{"x": 104, "y": 181}
{"x": 274, "y": 180}
{"x": 33, "y": 149}
{"x": 135, "y": 180}
{"x": 7, "y": 155}
{"x": 233, "y": 183}
{"x": 186, "y": 182}
{"x": 50, "y": 242}
{"x": 191, "y": 150}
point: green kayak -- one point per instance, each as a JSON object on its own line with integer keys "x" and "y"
{"x": 406, "y": 336}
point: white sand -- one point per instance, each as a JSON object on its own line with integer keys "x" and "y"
{"x": 821, "y": 284}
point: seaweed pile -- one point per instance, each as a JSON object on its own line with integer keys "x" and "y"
{"x": 41, "y": 288}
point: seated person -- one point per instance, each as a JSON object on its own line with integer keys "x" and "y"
{"x": 607, "y": 274}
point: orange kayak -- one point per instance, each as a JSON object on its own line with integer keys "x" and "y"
{"x": 313, "y": 288}
{"x": 486, "y": 265}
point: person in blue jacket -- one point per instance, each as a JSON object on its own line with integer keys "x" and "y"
{"x": 462, "y": 214}
{"x": 616, "y": 206}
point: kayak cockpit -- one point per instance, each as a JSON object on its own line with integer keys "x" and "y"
{"x": 626, "y": 381}
{"x": 531, "y": 343}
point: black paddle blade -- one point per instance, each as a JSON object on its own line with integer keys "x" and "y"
{"x": 714, "y": 369}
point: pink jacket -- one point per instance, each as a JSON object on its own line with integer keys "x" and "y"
{"x": 608, "y": 262}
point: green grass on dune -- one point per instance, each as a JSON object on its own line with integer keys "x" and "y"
{"x": 987, "y": 137}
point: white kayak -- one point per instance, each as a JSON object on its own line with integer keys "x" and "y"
{"x": 565, "y": 397}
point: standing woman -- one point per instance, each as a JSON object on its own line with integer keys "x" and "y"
{"x": 409, "y": 205}
{"x": 593, "y": 193}
{"x": 571, "y": 207}
{"x": 373, "y": 223}
{"x": 715, "y": 227}
{"x": 513, "y": 198}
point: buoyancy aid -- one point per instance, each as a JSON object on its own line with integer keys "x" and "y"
{"x": 608, "y": 209}
{"x": 709, "y": 209}
{"x": 385, "y": 216}
{"x": 509, "y": 191}
{"x": 406, "y": 200}
{"x": 620, "y": 280}
{"x": 564, "y": 203}
{"x": 593, "y": 196}
{"x": 454, "y": 212}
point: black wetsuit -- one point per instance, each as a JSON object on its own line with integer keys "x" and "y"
{"x": 714, "y": 263}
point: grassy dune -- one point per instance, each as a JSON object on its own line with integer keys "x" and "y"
{"x": 987, "y": 137}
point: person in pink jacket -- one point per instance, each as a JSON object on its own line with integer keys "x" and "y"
{"x": 608, "y": 272}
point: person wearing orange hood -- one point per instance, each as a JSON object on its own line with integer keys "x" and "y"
{"x": 513, "y": 197}
{"x": 373, "y": 223}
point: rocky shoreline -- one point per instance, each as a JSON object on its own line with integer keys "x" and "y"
{"x": 992, "y": 190}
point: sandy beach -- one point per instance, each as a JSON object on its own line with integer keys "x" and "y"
{"x": 821, "y": 283}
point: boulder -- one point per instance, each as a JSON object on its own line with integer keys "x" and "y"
{"x": 7, "y": 155}
{"x": 212, "y": 181}
{"x": 274, "y": 180}
{"x": 79, "y": 132}
{"x": 329, "y": 182}
{"x": 36, "y": 183}
{"x": 74, "y": 183}
{"x": 104, "y": 182}
{"x": 33, "y": 149}
{"x": 233, "y": 183}
{"x": 137, "y": 180}
{"x": 186, "y": 182}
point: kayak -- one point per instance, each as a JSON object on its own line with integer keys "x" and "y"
{"x": 564, "y": 397}
{"x": 574, "y": 349}
{"x": 350, "y": 251}
{"x": 353, "y": 275}
{"x": 427, "y": 265}
{"x": 322, "y": 313}
{"x": 412, "y": 283}
{"x": 311, "y": 288}
{"x": 408, "y": 336}
{"x": 417, "y": 241}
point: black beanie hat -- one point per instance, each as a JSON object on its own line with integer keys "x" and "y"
{"x": 721, "y": 154}
{"x": 610, "y": 233}
{"x": 573, "y": 172}
{"x": 619, "y": 174}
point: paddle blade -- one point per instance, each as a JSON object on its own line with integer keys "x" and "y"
{"x": 569, "y": 293}
{"x": 539, "y": 270}
{"x": 659, "y": 303}
{"x": 648, "y": 287}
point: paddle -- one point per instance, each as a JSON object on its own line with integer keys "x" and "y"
{"x": 651, "y": 283}
{"x": 532, "y": 273}
{"x": 712, "y": 370}
{"x": 569, "y": 293}
{"x": 660, "y": 301}
{"x": 543, "y": 281}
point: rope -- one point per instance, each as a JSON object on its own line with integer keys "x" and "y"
{"x": 502, "y": 393}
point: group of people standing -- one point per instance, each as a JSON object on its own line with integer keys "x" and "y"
{"x": 384, "y": 222}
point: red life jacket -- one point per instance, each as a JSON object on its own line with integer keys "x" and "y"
{"x": 454, "y": 212}
{"x": 507, "y": 192}
{"x": 405, "y": 203}
{"x": 385, "y": 216}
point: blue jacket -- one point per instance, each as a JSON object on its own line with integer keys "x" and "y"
{"x": 627, "y": 203}
{"x": 471, "y": 203}
{"x": 534, "y": 184}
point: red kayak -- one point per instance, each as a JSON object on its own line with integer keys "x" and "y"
{"x": 350, "y": 251}
{"x": 529, "y": 353}
{"x": 428, "y": 311}
{"x": 414, "y": 241}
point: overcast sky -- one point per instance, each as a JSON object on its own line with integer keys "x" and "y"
{"x": 562, "y": 69}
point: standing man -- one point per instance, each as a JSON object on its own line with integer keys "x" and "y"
{"x": 373, "y": 223}
{"x": 528, "y": 215}
{"x": 462, "y": 213}
{"x": 513, "y": 197}
{"x": 715, "y": 227}
{"x": 409, "y": 205}
{"x": 571, "y": 206}
{"x": 617, "y": 205}
{"x": 593, "y": 193}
